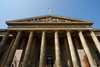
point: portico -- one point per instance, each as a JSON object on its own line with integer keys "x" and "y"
{"x": 50, "y": 37}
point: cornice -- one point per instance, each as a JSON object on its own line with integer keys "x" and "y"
{"x": 49, "y": 23}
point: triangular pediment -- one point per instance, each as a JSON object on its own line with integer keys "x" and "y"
{"x": 49, "y": 18}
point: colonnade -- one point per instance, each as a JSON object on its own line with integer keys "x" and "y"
{"x": 43, "y": 48}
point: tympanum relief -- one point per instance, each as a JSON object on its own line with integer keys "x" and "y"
{"x": 49, "y": 19}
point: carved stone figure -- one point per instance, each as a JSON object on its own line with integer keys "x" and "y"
{"x": 65, "y": 20}
{"x": 48, "y": 19}
{"x": 57, "y": 20}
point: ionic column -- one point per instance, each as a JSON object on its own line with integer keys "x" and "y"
{"x": 22, "y": 47}
{"x": 7, "y": 53}
{"x": 86, "y": 49}
{"x": 34, "y": 58}
{"x": 23, "y": 43}
{"x": 72, "y": 50}
{"x": 37, "y": 57}
{"x": 96, "y": 41}
{"x": 68, "y": 62}
{"x": 57, "y": 50}
{"x": 28, "y": 50}
{"x": 64, "y": 55}
{"x": 3, "y": 41}
{"x": 42, "y": 50}
{"x": 13, "y": 49}
{"x": 32, "y": 52}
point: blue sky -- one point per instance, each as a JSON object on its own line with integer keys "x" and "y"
{"x": 80, "y": 9}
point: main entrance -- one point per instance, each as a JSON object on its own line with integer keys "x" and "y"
{"x": 50, "y": 61}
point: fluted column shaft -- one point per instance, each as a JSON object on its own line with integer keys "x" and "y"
{"x": 67, "y": 54}
{"x": 23, "y": 43}
{"x": 72, "y": 50}
{"x": 86, "y": 49}
{"x": 34, "y": 58}
{"x": 43, "y": 49}
{"x": 22, "y": 47}
{"x": 32, "y": 52}
{"x": 57, "y": 50}
{"x": 13, "y": 49}
{"x": 28, "y": 50}
{"x": 96, "y": 41}
{"x": 64, "y": 55}
{"x": 4, "y": 40}
{"x": 7, "y": 53}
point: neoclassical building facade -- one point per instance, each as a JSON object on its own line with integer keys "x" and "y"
{"x": 49, "y": 40}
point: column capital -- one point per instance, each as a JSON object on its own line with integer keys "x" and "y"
{"x": 55, "y": 30}
{"x": 68, "y": 30}
{"x": 44, "y": 30}
{"x": 91, "y": 30}
{"x": 19, "y": 30}
{"x": 79, "y": 30}
{"x": 31, "y": 30}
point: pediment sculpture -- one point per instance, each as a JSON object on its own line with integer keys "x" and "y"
{"x": 49, "y": 19}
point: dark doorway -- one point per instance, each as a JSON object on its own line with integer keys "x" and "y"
{"x": 50, "y": 61}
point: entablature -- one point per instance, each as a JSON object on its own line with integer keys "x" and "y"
{"x": 48, "y": 25}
